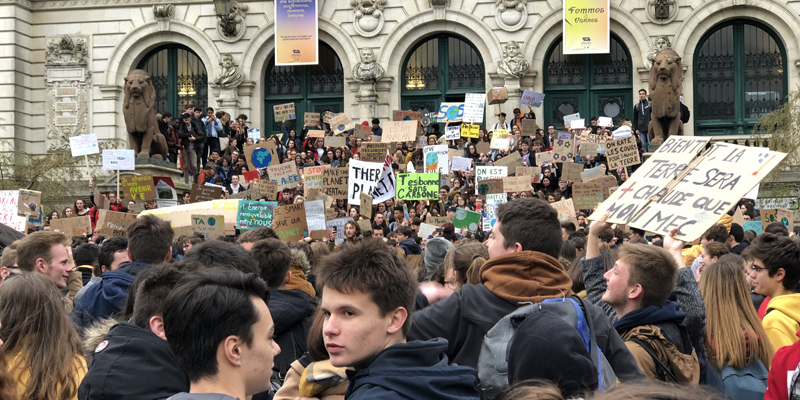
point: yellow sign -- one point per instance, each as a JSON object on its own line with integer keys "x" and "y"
{"x": 470, "y": 131}
{"x": 586, "y": 27}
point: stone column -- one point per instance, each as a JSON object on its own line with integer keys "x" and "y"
{"x": 67, "y": 82}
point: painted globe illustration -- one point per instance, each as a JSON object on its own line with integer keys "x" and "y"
{"x": 483, "y": 189}
{"x": 452, "y": 112}
{"x": 432, "y": 161}
{"x": 212, "y": 221}
{"x": 461, "y": 213}
{"x": 261, "y": 157}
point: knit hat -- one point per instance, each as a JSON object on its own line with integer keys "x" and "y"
{"x": 435, "y": 250}
{"x": 546, "y": 347}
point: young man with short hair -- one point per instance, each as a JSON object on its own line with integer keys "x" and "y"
{"x": 251, "y": 236}
{"x": 8, "y": 263}
{"x": 113, "y": 253}
{"x": 641, "y": 119}
{"x": 46, "y": 253}
{"x": 523, "y": 268}
{"x": 736, "y": 241}
{"x": 775, "y": 273}
{"x": 368, "y": 295}
{"x": 221, "y": 333}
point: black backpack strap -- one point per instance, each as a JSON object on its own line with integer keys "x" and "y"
{"x": 661, "y": 369}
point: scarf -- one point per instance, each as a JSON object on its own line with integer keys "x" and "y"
{"x": 320, "y": 376}
{"x": 526, "y": 277}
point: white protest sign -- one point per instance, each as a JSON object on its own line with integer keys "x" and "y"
{"x": 338, "y": 224}
{"x": 753, "y": 194}
{"x": 436, "y": 158}
{"x": 9, "y": 209}
{"x": 622, "y": 132}
{"x": 84, "y": 145}
{"x": 121, "y": 160}
{"x": 315, "y": 214}
{"x": 489, "y": 172}
{"x": 577, "y": 123}
{"x": 452, "y": 133}
{"x": 461, "y": 164}
{"x": 605, "y": 121}
{"x": 426, "y": 230}
{"x": 254, "y": 134}
{"x": 568, "y": 119}
{"x": 362, "y": 178}
{"x": 474, "y": 104}
{"x": 531, "y": 98}
{"x": 385, "y": 188}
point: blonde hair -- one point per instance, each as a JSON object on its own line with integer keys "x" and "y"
{"x": 734, "y": 334}
{"x": 466, "y": 258}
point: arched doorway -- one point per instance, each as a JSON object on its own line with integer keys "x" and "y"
{"x": 441, "y": 68}
{"x": 179, "y": 78}
{"x": 738, "y": 77}
{"x": 312, "y": 88}
{"x": 595, "y": 85}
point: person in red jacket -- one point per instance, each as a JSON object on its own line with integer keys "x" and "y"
{"x": 784, "y": 365}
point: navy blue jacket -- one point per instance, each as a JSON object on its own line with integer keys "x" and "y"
{"x": 665, "y": 313}
{"x": 410, "y": 246}
{"x": 413, "y": 370}
{"x": 107, "y": 297}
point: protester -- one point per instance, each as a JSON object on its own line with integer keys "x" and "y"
{"x": 368, "y": 296}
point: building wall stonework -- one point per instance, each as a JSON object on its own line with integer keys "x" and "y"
{"x": 121, "y": 32}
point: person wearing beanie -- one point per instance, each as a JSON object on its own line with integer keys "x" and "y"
{"x": 435, "y": 250}
{"x": 545, "y": 336}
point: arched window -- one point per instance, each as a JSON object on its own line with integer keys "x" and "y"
{"x": 441, "y": 68}
{"x": 738, "y": 78}
{"x": 179, "y": 78}
{"x": 312, "y": 88}
{"x": 595, "y": 85}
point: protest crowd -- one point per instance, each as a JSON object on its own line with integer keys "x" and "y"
{"x": 396, "y": 260}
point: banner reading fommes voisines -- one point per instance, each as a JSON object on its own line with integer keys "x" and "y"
{"x": 586, "y": 27}
{"x": 296, "y": 32}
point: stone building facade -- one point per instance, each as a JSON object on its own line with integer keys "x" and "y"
{"x": 62, "y": 63}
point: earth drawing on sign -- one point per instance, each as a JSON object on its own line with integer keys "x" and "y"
{"x": 261, "y": 157}
{"x": 432, "y": 161}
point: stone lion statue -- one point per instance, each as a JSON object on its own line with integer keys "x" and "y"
{"x": 143, "y": 134}
{"x": 666, "y": 87}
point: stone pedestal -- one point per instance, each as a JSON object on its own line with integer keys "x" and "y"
{"x": 227, "y": 99}
{"x": 67, "y": 82}
{"x": 147, "y": 166}
{"x": 367, "y": 98}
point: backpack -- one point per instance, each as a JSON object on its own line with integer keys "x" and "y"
{"x": 747, "y": 383}
{"x": 493, "y": 359}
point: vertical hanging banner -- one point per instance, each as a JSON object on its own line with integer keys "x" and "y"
{"x": 296, "y": 32}
{"x": 587, "y": 28}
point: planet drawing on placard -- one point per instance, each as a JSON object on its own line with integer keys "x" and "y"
{"x": 212, "y": 221}
{"x": 461, "y": 213}
{"x": 432, "y": 161}
{"x": 452, "y": 112}
{"x": 261, "y": 157}
{"x": 483, "y": 189}
{"x": 473, "y": 227}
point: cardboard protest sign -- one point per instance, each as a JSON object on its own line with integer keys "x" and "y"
{"x": 568, "y": 120}
{"x": 250, "y": 176}
{"x": 284, "y": 112}
{"x": 83, "y": 145}
{"x": 587, "y": 195}
{"x": 29, "y": 202}
{"x": 73, "y": 226}
{"x": 289, "y": 222}
{"x": 528, "y": 127}
{"x": 516, "y": 184}
{"x": 783, "y": 215}
{"x": 535, "y": 173}
{"x": 210, "y": 226}
{"x": 406, "y": 115}
{"x": 399, "y": 131}
{"x": 260, "y": 155}
{"x": 593, "y": 173}
{"x": 474, "y": 105}
{"x": 461, "y": 164}
{"x": 285, "y": 175}
{"x": 482, "y": 147}
{"x": 530, "y": 98}
{"x": 438, "y": 221}
{"x": 423, "y": 186}
{"x": 497, "y": 95}
{"x": 622, "y": 153}
{"x": 244, "y": 195}
{"x": 362, "y": 131}
{"x": 453, "y": 112}
{"x": 138, "y": 187}
{"x": 265, "y": 189}
{"x": 362, "y": 178}
{"x": 311, "y": 120}
{"x": 315, "y": 134}
{"x": 255, "y": 214}
{"x": 366, "y": 205}
{"x": 119, "y": 160}
{"x": 676, "y": 189}
{"x": 489, "y": 186}
{"x": 320, "y": 234}
{"x": 755, "y": 226}
{"x": 571, "y": 171}
{"x": 453, "y": 153}
{"x": 315, "y": 194}
{"x": 365, "y": 225}
{"x": 180, "y": 217}
{"x": 452, "y": 132}
{"x": 499, "y": 144}
{"x": 340, "y": 123}
{"x": 330, "y": 213}
{"x": 112, "y": 223}
{"x": 315, "y": 214}
{"x": 436, "y": 158}
{"x": 544, "y": 158}
{"x": 565, "y": 209}
{"x": 500, "y": 133}
{"x": 467, "y": 219}
{"x": 512, "y": 160}
{"x": 563, "y": 150}
{"x": 338, "y": 225}
{"x": 588, "y": 149}
{"x": 312, "y": 176}
{"x": 489, "y": 172}
{"x": 373, "y": 151}
{"x": 204, "y": 193}
{"x": 334, "y": 182}
{"x": 470, "y": 131}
